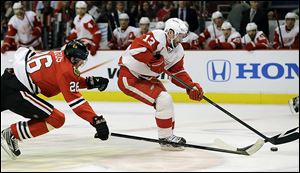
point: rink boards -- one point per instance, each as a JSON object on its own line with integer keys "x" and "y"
{"x": 266, "y": 77}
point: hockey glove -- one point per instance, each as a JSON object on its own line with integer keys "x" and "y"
{"x": 96, "y": 82}
{"x": 250, "y": 46}
{"x": 101, "y": 127}
{"x": 196, "y": 93}
{"x": 157, "y": 64}
{"x": 93, "y": 50}
{"x": 214, "y": 44}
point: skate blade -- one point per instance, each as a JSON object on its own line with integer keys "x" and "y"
{"x": 170, "y": 148}
{"x": 5, "y": 147}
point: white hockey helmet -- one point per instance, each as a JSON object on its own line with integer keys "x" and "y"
{"x": 160, "y": 25}
{"x": 291, "y": 15}
{"x": 216, "y": 15}
{"x": 123, "y": 16}
{"x": 144, "y": 20}
{"x": 17, "y": 5}
{"x": 226, "y": 25}
{"x": 251, "y": 26}
{"x": 177, "y": 25}
{"x": 81, "y": 4}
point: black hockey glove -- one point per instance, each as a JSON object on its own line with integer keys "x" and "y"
{"x": 96, "y": 82}
{"x": 101, "y": 127}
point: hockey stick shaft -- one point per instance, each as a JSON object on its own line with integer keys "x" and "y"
{"x": 96, "y": 66}
{"x": 288, "y": 136}
{"x": 185, "y": 145}
{"x": 280, "y": 33}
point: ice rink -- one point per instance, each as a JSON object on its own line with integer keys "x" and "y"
{"x": 73, "y": 148}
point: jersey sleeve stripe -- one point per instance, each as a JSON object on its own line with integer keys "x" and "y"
{"x": 36, "y": 103}
{"x": 75, "y": 100}
{"x": 77, "y": 103}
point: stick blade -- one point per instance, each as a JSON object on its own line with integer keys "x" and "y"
{"x": 285, "y": 137}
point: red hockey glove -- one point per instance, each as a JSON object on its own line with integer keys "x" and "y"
{"x": 157, "y": 64}
{"x": 93, "y": 50}
{"x": 250, "y": 46}
{"x": 196, "y": 93}
{"x": 214, "y": 44}
{"x": 36, "y": 32}
{"x": 4, "y": 48}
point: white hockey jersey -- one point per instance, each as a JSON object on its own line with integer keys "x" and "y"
{"x": 288, "y": 37}
{"x": 157, "y": 41}
{"x": 210, "y": 33}
{"x": 24, "y": 29}
{"x": 123, "y": 38}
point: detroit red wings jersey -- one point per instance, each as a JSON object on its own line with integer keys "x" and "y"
{"x": 234, "y": 40}
{"x": 211, "y": 32}
{"x": 142, "y": 50}
{"x": 27, "y": 30}
{"x": 259, "y": 39}
{"x": 190, "y": 41}
{"x": 86, "y": 29}
{"x": 121, "y": 39}
{"x": 290, "y": 38}
{"x": 51, "y": 73}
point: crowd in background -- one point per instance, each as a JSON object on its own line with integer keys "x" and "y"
{"x": 56, "y": 18}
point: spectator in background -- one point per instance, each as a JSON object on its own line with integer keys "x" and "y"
{"x": 144, "y": 25}
{"x": 235, "y": 14}
{"x": 254, "y": 39}
{"x": 6, "y": 14}
{"x": 190, "y": 42}
{"x": 214, "y": 30}
{"x": 186, "y": 14}
{"x": 123, "y": 35}
{"x": 289, "y": 32}
{"x": 229, "y": 40}
{"x": 26, "y": 26}
{"x": 146, "y": 11}
{"x": 256, "y": 15}
{"x": 85, "y": 29}
{"x": 164, "y": 13}
{"x": 47, "y": 14}
{"x": 160, "y": 25}
{"x": 107, "y": 15}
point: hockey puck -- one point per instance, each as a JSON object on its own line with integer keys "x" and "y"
{"x": 274, "y": 149}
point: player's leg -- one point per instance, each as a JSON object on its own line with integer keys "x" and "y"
{"x": 154, "y": 94}
{"x": 44, "y": 117}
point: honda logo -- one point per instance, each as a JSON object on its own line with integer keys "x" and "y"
{"x": 218, "y": 70}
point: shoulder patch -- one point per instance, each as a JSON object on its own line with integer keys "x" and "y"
{"x": 76, "y": 71}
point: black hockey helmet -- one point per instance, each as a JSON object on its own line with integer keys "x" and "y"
{"x": 76, "y": 49}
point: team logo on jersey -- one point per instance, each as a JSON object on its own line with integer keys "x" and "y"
{"x": 74, "y": 46}
{"x": 76, "y": 71}
{"x": 218, "y": 70}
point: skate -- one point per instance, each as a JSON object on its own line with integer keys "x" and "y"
{"x": 172, "y": 147}
{"x": 10, "y": 144}
{"x": 294, "y": 105}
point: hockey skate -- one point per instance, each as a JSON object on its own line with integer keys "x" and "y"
{"x": 177, "y": 146}
{"x": 294, "y": 105}
{"x": 10, "y": 144}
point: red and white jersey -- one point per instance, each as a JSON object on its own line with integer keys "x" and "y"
{"x": 289, "y": 37}
{"x": 258, "y": 39}
{"x": 190, "y": 41}
{"x": 212, "y": 32}
{"x": 142, "y": 50}
{"x": 27, "y": 30}
{"x": 51, "y": 73}
{"x": 234, "y": 39}
{"x": 86, "y": 29}
{"x": 121, "y": 39}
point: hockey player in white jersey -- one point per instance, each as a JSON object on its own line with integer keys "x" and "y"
{"x": 191, "y": 40}
{"x": 289, "y": 33}
{"x": 144, "y": 26}
{"x": 254, "y": 39}
{"x": 85, "y": 29}
{"x": 124, "y": 35}
{"x": 144, "y": 60}
{"x": 24, "y": 29}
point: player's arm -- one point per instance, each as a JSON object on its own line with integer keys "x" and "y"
{"x": 142, "y": 50}
{"x": 93, "y": 28}
{"x": 262, "y": 42}
{"x": 37, "y": 27}
{"x": 9, "y": 38}
{"x": 235, "y": 43}
{"x": 295, "y": 45}
{"x": 203, "y": 36}
{"x": 69, "y": 86}
{"x": 178, "y": 70}
{"x": 276, "y": 40}
{"x": 92, "y": 82}
{"x": 73, "y": 34}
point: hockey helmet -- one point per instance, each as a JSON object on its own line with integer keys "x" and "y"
{"x": 76, "y": 49}
{"x": 17, "y": 5}
{"x": 160, "y": 25}
{"x": 251, "y": 26}
{"x": 216, "y": 14}
{"x": 291, "y": 15}
{"x": 123, "y": 16}
{"x": 81, "y": 4}
{"x": 226, "y": 25}
{"x": 144, "y": 20}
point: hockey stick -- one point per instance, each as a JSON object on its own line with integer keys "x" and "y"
{"x": 281, "y": 138}
{"x": 243, "y": 151}
{"x": 96, "y": 66}
{"x": 280, "y": 33}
